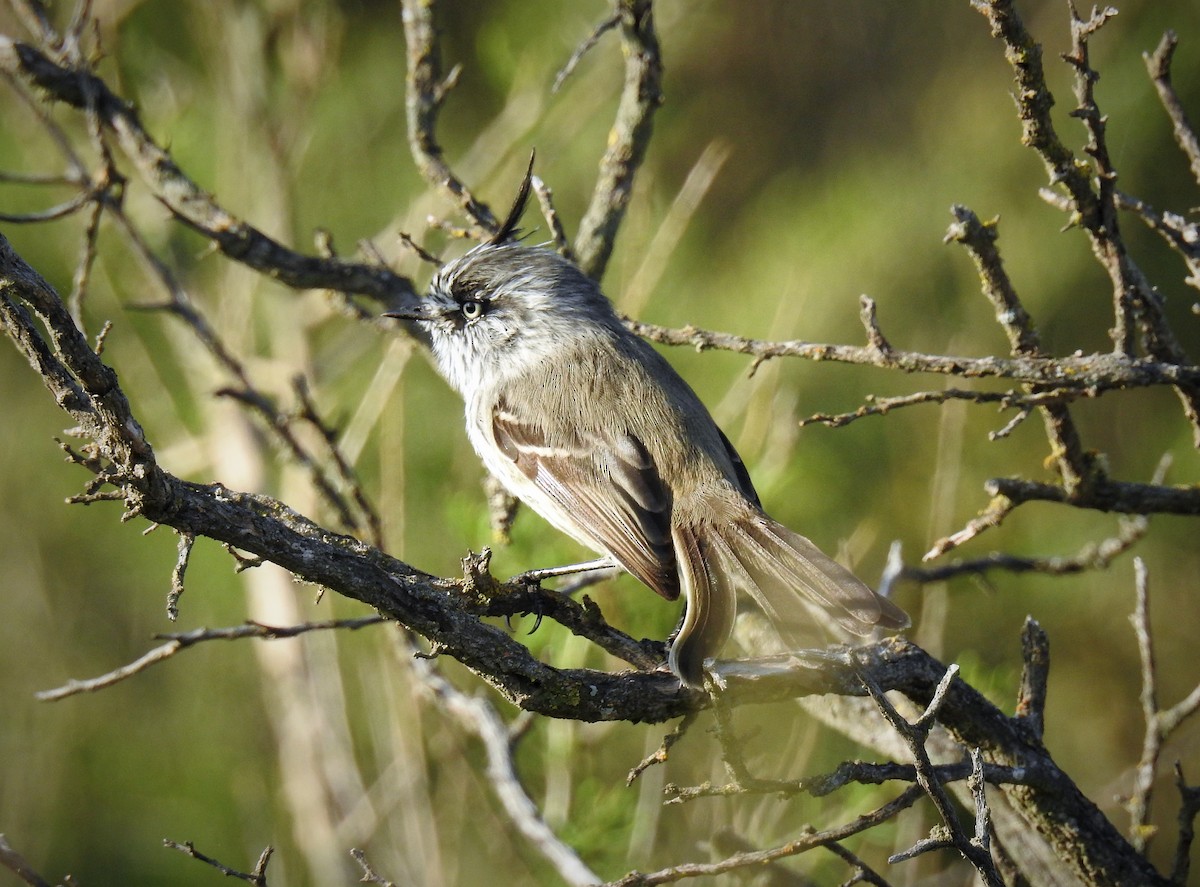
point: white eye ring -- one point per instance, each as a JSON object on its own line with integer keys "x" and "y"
{"x": 472, "y": 309}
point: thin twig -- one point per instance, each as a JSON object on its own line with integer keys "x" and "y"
{"x": 583, "y": 48}
{"x": 1092, "y": 208}
{"x": 257, "y": 877}
{"x": 991, "y": 516}
{"x": 861, "y": 873}
{"x": 1189, "y": 808}
{"x": 755, "y": 859}
{"x": 915, "y": 735}
{"x": 1159, "y": 723}
{"x": 15, "y": 863}
{"x": 1096, "y": 373}
{"x": 186, "y": 541}
{"x": 1093, "y": 556}
{"x": 846, "y": 773}
{"x": 1159, "y": 66}
{"x": 559, "y": 234}
{"x": 659, "y": 755}
{"x": 370, "y": 876}
{"x": 881, "y": 406}
{"x": 478, "y": 715}
{"x": 178, "y": 642}
{"x": 307, "y": 411}
{"x": 187, "y": 200}
{"x": 1179, "y": 232}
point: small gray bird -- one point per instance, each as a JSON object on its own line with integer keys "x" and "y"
{"x": 592, "y": 428}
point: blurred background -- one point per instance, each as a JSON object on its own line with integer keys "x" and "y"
{"x": 807, "y": 153}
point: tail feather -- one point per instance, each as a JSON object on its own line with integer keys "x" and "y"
{"x": 711, "y": 595}
{"x": 793, "y": 581}
{"x": 789, "y": 570}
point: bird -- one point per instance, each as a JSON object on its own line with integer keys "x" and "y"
{"x": 592, "y": 428}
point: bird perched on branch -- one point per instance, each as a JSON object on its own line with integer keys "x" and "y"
{"x": 592, "y": 428}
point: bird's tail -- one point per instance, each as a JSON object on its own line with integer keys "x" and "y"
{"x": 792, "y": 580}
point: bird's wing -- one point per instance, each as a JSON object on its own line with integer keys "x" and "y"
{"x": 607, "y": 485}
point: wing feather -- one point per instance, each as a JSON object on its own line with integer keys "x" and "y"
{"x": 609, "y": 489}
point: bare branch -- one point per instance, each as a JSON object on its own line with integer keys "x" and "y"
{"x": 186, "y": 541}
{"x": 370, "y": 876}
{"x": 1094, "y": 372}
{"x": 661, "y": 753}
{"x": 1159, "y": 66}
{"x": 15, "y": 863}
{"x": 257, "y": 877}
{"x": 1094, "y": 209}
{"x": 426, "y": 91}
{"x": 758, "y": 858}
{"x": 857, "y": 772}
{"x": 1035, "y": 677}
{"x": 1074, "y": 466}
{"x": 1181, "y": 235}
{"x": 178, "y": 642}
{"x": 640, "y": 98}
{"x": 991, "y": 516}
{"x": 1102, "y": 494}
{"x": 1159, "y": 724}
{"x": 583, "y": 48}
{"x": 881, "y": 406}
{"x": 1189, "y": 807}
{"x": 546, "y": 201}
{"x": 862, "y": 873}
{"x": 190, "y": 203}
{"x": 478, "y": 716}
{"x": 1093, "y": 556}
{"x": 915, "y": 735}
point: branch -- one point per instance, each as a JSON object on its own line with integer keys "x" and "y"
{"x": 1074, "y": 466}
{"x": 975, "y": 849}
{"x": 177, "y": 642}
{"x": 1159, "y": 66}
{"x": 1180, "y": 234}
{"x": 478, "y": 716}
{"x": 1035, "y": 678}
{"x": 15, "y": 863}
{"x": 1160, "y": 724}
{"x": 758, "y": 858}
{"x": 436, "y": 609}
{"x": 1094, "y": 373}
{"x": 881, "y": 406}
{"x": 370, "y": 876}
{"x": 184, "y": 198}
{"x": 1050, "y": 803}
{"x": 1094, "y": 209}
{"x": 426, "y": 92}
{"x": 432, "y": 607}
{"x": 1102, "y": 494}
{"x": 847, "y": 772}
{"x": 258, "y": 877}
{"x": 1189, "y": 807}
{"x": 630, "y": 136}
{"x": 1093, "y": 556}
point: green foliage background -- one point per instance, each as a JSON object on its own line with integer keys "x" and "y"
{"x": 849, "y": 129}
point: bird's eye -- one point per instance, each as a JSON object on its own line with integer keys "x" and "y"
{"x": 472, "y": 309}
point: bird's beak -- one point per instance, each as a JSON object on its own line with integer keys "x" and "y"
{"x": 412, "y": 311}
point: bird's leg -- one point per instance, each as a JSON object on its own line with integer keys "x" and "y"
{"x": 534, "y": 576}
{"x": 595, "y": 568}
